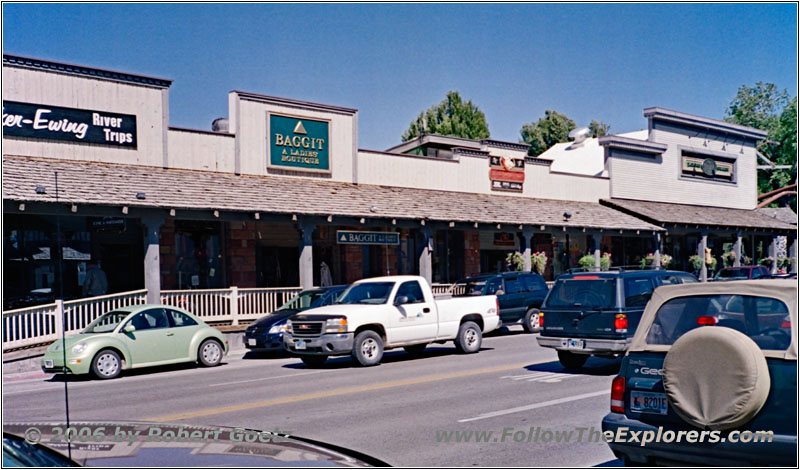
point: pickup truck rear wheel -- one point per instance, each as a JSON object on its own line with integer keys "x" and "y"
{"x": 469, "y": 338}
{"x": 313, "y": 361}
{"x": 367, "y": 348}
{"x": 531, "y": 321}
{"x": 571, "y": 360}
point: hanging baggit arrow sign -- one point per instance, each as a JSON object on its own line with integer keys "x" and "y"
{"x": 344, "y": 237}
{"x": 299, "y": 144}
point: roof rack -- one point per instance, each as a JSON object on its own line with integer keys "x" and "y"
{"x": 617, "y": 268}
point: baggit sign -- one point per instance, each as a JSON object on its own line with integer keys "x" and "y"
{"x": 506, "y": 173}
{"x": 38, "y": 121}
{"x": 367, "y": 238}
{"x": 298, "y": 143}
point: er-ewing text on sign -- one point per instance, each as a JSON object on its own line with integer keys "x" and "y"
{"x": 506, "y": 173}
{"x": 39, "y": 121}
{"x": 367, "y": 238}
{"x": 299, "y": 144}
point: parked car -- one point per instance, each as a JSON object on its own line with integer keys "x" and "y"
{"x": 266, "y": 333}
{"x": 739, "y": 273}
{"x": 714, "y": 359}
{"x": 596, "y": 313}
{"x": 382, "y": 313}
{"x": 181, "y": 446}
{"x": 520, "y": 295}
{"x": 139, "y": 335}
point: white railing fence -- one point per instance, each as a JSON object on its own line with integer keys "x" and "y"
{"x": 43, "y": 324}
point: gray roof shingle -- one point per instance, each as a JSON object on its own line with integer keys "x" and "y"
{"x": 107, "y": 184}
{"x": 668, "y": 213}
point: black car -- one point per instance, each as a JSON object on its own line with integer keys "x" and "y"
{"x": 266, "y": 333}
{"x": 596, "y": 313}
{"x": 520, "y": 294}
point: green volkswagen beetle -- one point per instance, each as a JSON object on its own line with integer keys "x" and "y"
{"x": 134, "y": 337}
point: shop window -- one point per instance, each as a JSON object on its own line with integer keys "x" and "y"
{"x": 199, "y": 261}
{"x": 706, "y": 167}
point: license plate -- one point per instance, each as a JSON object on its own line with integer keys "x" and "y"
{"x": 572, "y": 343}
{"x": 48, "y": 363}
{"x": 251, "y": 341}
{"x": 649, "y": 402}
{"x": 300, "y": 344}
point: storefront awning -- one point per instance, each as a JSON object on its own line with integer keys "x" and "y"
{"x": 703, "y": 217}
{"x": 103, "y": 184}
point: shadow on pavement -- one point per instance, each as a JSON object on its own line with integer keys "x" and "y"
{"x": 132, "y": 372}
{"x": 393, "y": 356}
{"x": 594, "y": 366}
{"x": 279, "y": 354}
{"x": 515, "y": 330}
{"x": 611, "y": 463}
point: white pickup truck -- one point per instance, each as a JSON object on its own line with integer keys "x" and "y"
{"x": 382, "y": 313}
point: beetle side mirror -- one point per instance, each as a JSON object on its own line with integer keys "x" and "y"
{"x": 400, "y": 300}
{"x": 129, "y": 328}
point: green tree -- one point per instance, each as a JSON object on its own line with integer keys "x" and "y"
{"x": 598, "y": 129}
{"x": 453, "y": 117}
{"x": 765, "y": 107}
{"x": 553, "y": 128}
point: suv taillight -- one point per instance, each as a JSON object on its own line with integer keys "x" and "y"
{"x": 706, "y": 320}
{"x": 541, "y": 319}
{"x": 621, "y": 323}
{"x": 497, "y": 306}
{"x": 618, "y": 395}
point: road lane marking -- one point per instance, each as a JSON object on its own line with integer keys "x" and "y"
{"x": 333, "y": 393}
{"x": 535, "y": 406}
{"x": 546, "y": 377}
{"x": 266, "y": 378}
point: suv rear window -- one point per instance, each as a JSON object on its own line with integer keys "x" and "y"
{"x": 765, "y": 320}
{"x": 583, "y": 292}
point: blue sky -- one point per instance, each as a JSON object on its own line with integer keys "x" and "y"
{"x": 589, "y": 61}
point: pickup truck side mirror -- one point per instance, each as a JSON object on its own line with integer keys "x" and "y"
{"x": 129, "y": 328}
{"x": 400, "y": 300}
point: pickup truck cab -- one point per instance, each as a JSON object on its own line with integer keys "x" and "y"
{"x": 596, "y": 313}
{"x": 520, "y": 294}
{"x": 382, "y": 313}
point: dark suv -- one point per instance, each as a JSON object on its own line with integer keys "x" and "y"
{"x": 520, "y": 294}
{"x": 740, "y": 273}
{"x": 596, "y": 313}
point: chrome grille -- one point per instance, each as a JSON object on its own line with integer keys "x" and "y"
{"x": 307, "y": 329}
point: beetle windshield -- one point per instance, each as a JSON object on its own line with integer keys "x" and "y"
{"x": 367, "y": 293}
{"x": 107, "y": 322}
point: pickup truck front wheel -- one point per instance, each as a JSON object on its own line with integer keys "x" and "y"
{"x": 469, "y": 338}
{"x": 367, "y": 348}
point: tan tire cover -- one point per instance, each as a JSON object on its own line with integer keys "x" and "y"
{"x": 716, "y": 378}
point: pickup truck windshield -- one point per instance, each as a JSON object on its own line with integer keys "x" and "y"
{"x": 367, "y": 293}
{"x": 593, "y": 293}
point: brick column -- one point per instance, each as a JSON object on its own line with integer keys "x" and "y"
{"x": 472, "y": 252}
{"x": 241, "y": 254}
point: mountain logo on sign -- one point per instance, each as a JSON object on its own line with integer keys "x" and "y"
{"x": 299, "y": 129}
{"x": 344, "y": 238}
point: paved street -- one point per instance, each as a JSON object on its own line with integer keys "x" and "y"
{"x": 397, "y": 411}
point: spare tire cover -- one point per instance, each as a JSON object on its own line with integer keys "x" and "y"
{"x": 716, "y": 378}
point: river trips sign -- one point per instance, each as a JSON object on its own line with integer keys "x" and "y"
{"x": 37, "y": 121}
{"x": 299, "y": 144}
{"x": 367, "y": 238}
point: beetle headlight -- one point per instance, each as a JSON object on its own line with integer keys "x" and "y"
{"x": 79, "y": 348}
{"x": 336, "y": 325}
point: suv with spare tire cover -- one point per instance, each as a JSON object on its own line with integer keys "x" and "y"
{"x": 710, "y": 378}
{"x": 595, "y": 313}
